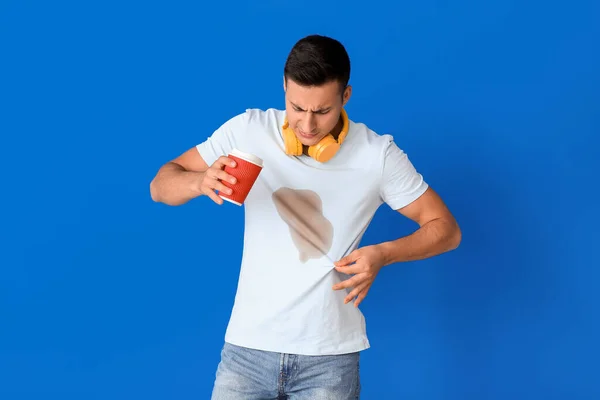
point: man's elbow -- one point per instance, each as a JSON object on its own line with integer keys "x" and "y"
{"x": 154, "y": 192}
{"x": 455, "y": 236}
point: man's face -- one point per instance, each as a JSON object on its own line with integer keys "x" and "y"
{"x": 313, "y": 112}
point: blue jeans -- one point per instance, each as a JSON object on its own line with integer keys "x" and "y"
{"x": 246, "y": 374}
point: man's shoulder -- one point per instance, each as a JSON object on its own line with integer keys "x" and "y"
{"x": 367, "y": 138}
{"x": 265, "y": 117}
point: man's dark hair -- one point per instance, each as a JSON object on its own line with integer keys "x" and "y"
{"x": 316, "y": 60}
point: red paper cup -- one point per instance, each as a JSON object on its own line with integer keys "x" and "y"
{"x": 246, "y": 172}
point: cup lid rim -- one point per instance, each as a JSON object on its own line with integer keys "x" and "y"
{"x": 247, "y": 156}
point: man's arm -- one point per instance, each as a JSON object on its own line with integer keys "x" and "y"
{"x": 189, "y": 176}
{"x": 438, "y": 231}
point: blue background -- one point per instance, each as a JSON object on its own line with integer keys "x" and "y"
{"x": 107, "y": 295}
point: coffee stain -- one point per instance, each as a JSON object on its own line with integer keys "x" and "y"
{"x": 302, "y": 210}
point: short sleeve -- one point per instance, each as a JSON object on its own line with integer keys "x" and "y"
{"x": 224, "y": 139}
{"x": 401, "y": 184}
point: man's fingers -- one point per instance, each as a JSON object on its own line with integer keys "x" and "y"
{"x": 350, "y": 269}
{"x": 223, "y": 161}
{"x": 214, "y": 178}
{"x": 351, "y": 282}
{"x": 214, "y": 173}
{"x": 362, "y": 295}
{"x": 355, "y": 292}
{"x": 216, "y": 184}
{"x": 349, "y": 259}
{"x": 210, "y": 184}
{"x": 224, "y": 176}
{"x": 214, "y": 197}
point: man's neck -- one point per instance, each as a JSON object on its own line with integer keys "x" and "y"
{"x": 338, "y": 128}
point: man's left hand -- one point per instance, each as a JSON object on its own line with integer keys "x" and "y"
{"x": 364, "y": 263}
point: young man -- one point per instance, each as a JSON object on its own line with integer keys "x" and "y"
{"x": 296, "y": 330}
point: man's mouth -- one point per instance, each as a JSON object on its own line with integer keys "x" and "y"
{"x": 306, "y": 135}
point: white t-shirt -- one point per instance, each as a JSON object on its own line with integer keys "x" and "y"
{"x": 300, "y": 217}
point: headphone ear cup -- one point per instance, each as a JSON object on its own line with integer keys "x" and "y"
{"x": 293, "y": 147}
{"x": 325, "y": 149}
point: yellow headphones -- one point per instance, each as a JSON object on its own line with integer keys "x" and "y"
{"x": 322, "y": 151}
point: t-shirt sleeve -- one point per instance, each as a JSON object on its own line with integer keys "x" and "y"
{"x": 224, "y": 139}
{"x": 401, "y": 183}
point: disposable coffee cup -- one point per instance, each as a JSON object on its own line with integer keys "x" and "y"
{"x": 246, "y": 171}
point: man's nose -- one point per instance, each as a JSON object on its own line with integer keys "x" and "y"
{"x": 310, "y": 123}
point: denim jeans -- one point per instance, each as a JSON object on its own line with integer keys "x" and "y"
{"x": 246, "y": 374}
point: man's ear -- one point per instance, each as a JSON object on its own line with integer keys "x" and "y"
{"x": 284, "y": 85}
{"x": 347, "y": 94}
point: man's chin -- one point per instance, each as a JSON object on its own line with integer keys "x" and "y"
{"x": 308, "y": 141}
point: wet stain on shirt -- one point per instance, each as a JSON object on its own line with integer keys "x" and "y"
{"x": 302, "y": 211}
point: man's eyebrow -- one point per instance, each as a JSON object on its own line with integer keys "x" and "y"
{"x": 322, "y": 109}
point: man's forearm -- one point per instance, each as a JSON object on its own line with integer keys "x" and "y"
{"x": 433, "y": 238}
{"x": 173, "y": 185}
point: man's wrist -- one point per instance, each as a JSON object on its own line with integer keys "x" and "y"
{"x": 387, "y": 251}
{"x": 195, "y": 182}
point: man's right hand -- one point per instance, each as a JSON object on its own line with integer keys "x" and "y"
{"x": 189, "y": 176}
{"x": 210, "y": 180}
